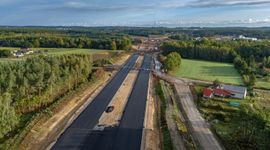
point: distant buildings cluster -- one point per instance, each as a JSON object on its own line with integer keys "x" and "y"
{"x": 220, "y": 37}
{"x": 242, "y": 37}
{"x": 22, "y": 52}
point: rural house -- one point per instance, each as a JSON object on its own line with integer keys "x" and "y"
{"x": 226, "y": 91}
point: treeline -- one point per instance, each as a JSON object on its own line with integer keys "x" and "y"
{"x": 123, "y": 43}
{"x": 31, "y": 85}
{"x": 204, "y": 49}
{"x": 105, "y": 32}
{"x": 223, "y": 51}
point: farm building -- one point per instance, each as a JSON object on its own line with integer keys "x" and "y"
{"x": 18, "y": 54}
{"x": 222, "y": 93}
{"x": 22, "y": 52}
{"x": 237, "y": 91}
{"x": 226, "y": 91}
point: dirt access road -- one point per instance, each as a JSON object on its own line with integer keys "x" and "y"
{"x": 200, "y": 129}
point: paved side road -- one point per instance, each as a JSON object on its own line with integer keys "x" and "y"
{"x": 199, "y": 127}
{"x": 75, "y": 136}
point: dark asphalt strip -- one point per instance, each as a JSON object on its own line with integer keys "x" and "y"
{"x": 76, "y": 134}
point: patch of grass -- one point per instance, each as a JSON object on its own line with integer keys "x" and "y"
{"x": 208, "y": 71}
{"x": 262, "y": 83}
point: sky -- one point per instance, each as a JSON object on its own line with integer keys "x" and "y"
{"x": 169, "y": 13}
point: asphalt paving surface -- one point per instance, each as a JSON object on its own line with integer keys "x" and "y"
{"x": 128, "y": 135}
{"x": 76, "y": 135}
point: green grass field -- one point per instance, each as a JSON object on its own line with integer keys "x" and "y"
{"x": 261, "y": 83}
{"x": 57, "y": 51}
{"x": 208, "y": 71}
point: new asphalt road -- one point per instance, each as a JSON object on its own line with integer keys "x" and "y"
{"x": 75, "y": 136}
{"x": 128, "y": 135}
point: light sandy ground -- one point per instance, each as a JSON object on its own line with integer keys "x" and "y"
{"x": 150, "y": 139}
{"x": 119, "y": 60}
{"x": 50, "y": 127}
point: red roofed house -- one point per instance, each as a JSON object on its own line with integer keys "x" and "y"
{"x": 207, "y": 93}
{"x": 222, "y": 93}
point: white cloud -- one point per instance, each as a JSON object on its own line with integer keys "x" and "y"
{"x": 218, "y": 3}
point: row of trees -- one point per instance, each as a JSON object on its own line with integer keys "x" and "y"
{"x": 200, "y": 50}
{"x": 223, "y": 51}
{"x": 30, "y": 85}
{"x": 245, "y": 70}
{"x": 123, "y": 43}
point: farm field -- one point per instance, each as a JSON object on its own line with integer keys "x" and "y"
{"x": 57, "y": 51}
{"x": 208, "y": 71}
{"x": 64, "y": 50}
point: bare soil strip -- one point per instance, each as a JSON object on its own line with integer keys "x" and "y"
{"x": 120, "y": 99}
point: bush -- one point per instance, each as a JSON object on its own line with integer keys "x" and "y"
{"x": 5, "y": 53}
{"x": 172, "y": 61}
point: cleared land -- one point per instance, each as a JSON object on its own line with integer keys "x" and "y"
{"x": 208, "y": 71}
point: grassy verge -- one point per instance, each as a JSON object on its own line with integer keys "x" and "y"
{"x": 262, "y": 84}
{"x": 167, "y": 141}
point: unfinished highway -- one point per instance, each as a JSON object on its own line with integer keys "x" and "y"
{"x": 75, "y": 136}
{"x": 128, "y": 134}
